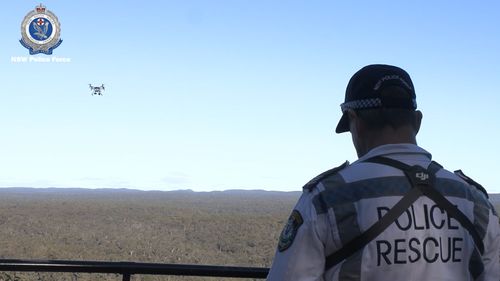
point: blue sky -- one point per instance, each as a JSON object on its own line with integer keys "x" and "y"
{"x": 213, "y": 95}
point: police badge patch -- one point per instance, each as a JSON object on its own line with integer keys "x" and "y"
{"x": 40, "y": 31}
{"x": 290, "y": 231}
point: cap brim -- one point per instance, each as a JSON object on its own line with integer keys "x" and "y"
{"x": 343, "y": 125}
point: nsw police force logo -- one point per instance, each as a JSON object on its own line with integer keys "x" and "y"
{"x": 40, "y": 31}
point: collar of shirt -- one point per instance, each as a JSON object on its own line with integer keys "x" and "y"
{"x": 399, "y": 151}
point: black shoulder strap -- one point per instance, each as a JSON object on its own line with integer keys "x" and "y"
{"x": 312, "y": 183}
{"x": 422, "y": 181}
{"x": 455, "y": 213}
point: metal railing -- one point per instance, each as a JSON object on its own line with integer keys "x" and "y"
{"x": 127, "y": 269}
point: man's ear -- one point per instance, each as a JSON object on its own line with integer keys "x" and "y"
{"x": 352, "y": 114}
{"x": 353, "y": 119}
{"x": 418, "y": 120}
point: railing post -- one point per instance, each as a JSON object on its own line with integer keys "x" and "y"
{"x": 126, "y": 277}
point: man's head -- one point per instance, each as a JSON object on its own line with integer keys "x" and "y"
{"x": 380, "y": 108}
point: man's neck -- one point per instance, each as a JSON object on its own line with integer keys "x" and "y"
{"x": 386, "y": 136}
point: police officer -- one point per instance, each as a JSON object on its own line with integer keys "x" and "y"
{"x": 394, "y": 214}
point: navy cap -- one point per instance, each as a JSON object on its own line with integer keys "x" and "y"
{"x": 365, "y": 88}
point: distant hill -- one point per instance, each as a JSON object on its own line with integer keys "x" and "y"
{"x": 495, "y": 198}
{"x": 56, "y": 192}
{"x": 240, "y": 193}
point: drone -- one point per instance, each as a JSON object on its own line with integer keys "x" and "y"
{"x": 97, "y": 90}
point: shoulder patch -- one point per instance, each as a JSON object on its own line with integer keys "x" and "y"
{"x": 290, "y": 231}
{"x": 312, "y": 183}
{"x": 470, "y": 181}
